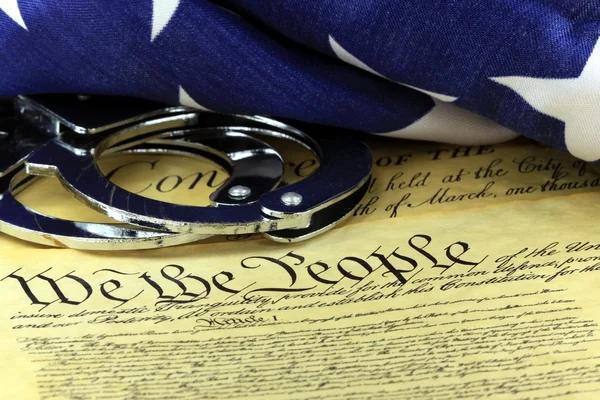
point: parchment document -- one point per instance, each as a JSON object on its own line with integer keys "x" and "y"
{"x": 466, "y": 273}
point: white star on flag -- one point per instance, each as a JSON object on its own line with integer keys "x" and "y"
{"x": 575, "y": 101}
{"x": 445, "y": 122}
{"x": 11, "y": 8}
{"x": 451, "y": 124}
{"x": 162, "y": 12}
{"x": 345, "y": 56}
{"x": 187, "y": 100}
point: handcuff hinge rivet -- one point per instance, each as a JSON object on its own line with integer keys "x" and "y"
{"x": 291, "y": 199}
{"x": 239, "y": 192}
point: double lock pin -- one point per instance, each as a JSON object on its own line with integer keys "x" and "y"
{"x": 64, "y": 136}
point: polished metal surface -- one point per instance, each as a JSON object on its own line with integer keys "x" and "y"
{"x": 24, "y": 223}
{"x": 83, "y": 114}
{"x": 70, "y": 133}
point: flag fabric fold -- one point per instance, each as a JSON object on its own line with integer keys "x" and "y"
{"x": 468, "y": 72}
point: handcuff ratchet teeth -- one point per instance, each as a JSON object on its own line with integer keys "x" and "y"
{"x": 64, "y": 136}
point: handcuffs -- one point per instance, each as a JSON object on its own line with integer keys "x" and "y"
{"x": 63, "y": 136}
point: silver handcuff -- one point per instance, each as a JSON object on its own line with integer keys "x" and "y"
{"x": 63, "y": 136}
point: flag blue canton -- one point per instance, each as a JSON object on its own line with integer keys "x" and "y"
{"x": 469, "y": 72}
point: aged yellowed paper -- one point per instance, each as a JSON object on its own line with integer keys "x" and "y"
{"x": 478, "y": 287}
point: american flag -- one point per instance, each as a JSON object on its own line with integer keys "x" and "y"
{"x": 468, "y": 72}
